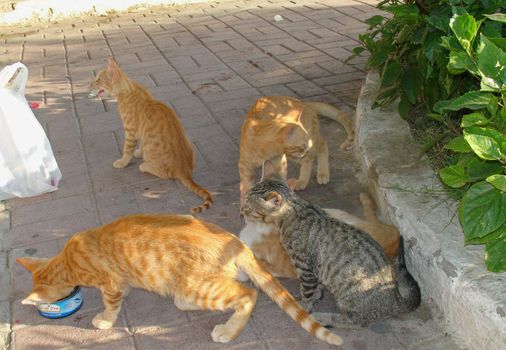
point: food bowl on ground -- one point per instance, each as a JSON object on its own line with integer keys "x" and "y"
{"x": 63, "y": 307}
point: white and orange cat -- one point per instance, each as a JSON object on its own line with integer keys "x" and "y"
{"x": 173, "y": 255}
{"x": 282, "y": 125}
{"x": 163, "y": 144}
{"x": 264, "y": 240}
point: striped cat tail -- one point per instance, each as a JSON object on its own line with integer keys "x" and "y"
{"x": 337, "y": 115}
{"x": 248, "y": 264}
{"x": 413, "y": 299}
{"x": 199, "y": 191}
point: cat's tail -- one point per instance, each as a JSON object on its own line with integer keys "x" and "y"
{"x": 412, "y": 300}
{"x": 199, "y": 191}
{"x": 339, "y": 116}
{"x": 248, "y": 264}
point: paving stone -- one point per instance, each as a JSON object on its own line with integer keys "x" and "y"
{"x": 54, "y": 228}
{"x": 146, "y": 310}
{"x": 194, "y": 335}
{"x": 73, "y": 332}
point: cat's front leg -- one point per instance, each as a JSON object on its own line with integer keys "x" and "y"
{"x": 128, "y": 150}
{"x": 309, "y": 288}
{"x": 112, "y": 302}
{"x": 138, "y": 151}
{"x": 323, "y": 173}
{"x": 305, "y": 173}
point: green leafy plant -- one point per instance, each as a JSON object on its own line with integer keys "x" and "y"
{"x": 480, "y": 167}
{"x": 446, "y": 61}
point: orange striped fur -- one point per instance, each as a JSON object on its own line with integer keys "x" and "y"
{"x": 163, "y": 144}
{"x": 194, "y": 261}
{"x": 282, "y": 125}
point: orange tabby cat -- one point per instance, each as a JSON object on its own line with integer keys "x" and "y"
{"x": 194, "y": 261}
{"x": 278, "y": 125}
{"x": 163, "y": 144}
{"x": 264, "y": 239}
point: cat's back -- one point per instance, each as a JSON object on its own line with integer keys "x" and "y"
{"x": 150, "y": 232}
{"x": 336, "y": 243}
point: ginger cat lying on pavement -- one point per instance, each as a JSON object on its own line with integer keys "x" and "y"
{"x": 194, "y": 261}
{"x": 282, "y": 125}
{"x": 264, "y": 239}
{"x": 163, "y": 144}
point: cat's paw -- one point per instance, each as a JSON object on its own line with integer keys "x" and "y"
{"x": 323, "y": 179}
{"x": 120, "y": 163}
{"x": 138, "y": 153}
{"x": 306, "y": 305}
{"x": 300, "y": 185}
{"x": 222, "y": 334}
{"x": 101, "y": 323}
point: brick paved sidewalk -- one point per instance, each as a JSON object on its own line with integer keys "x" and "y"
{"x": 209, "y": 62}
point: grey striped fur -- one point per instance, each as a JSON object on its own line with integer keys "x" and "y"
{"x": 329, "y": 253}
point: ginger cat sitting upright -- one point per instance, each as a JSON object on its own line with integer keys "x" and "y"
{"x": 163, "y": 144}
{"x": 282, "y": 125}
{"x": 173, "y": 255}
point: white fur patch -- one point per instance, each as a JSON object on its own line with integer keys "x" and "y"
{"x": 253, "y": 232}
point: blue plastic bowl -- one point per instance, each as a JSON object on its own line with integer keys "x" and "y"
{"x": 63, "y": 307}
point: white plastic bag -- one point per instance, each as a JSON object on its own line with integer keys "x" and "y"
{"x": 27, "y": 163}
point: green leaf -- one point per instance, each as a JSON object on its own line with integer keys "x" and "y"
{"x": 471, "y": 100}
{"x": 391, "y": 73}
{"x": 358, "y": 50}
{"x": 478, "y": 169}
{"x": 491, "y": 29}
{"x": 454, "y": 176}
{"x": 378, "y": 57}
{"x": 431, "y": 45}
{"x": 499, "y": 42}
{"x": 465, "y": 28}
{"x": 404, "y": 107}
{"x": 473, "y": 119}
{"x": 451, "y": 43}
{"x": 495, "y": 257}
{"x": 374, "y": 20}
{"x": 436, "y": 116}
{"x": 491, "y": 63}
{"x": 482, "y": 210}
{"x": 405, "y": 14}
{"x": 460, "y": 62}
{"x": 458, "y": 144}
{"x": 483, "y": 145}
{"x": 440, "y": 20}
{"x": 441, "y": 105}
{"x": 493, "y": 236}
{"x": 498, "y": 181}
{"x": 492, "y": 106}
{"x": 500, "y": 17}
{"x": 411, "y": 84}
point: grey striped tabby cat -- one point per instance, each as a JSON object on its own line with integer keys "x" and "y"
{"x": 332, "y": 254}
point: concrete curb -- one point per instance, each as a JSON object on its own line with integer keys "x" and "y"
{"x": 27, "y": 11}
{"x": 410, "y": 195}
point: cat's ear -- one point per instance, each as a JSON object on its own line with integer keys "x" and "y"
{"x": 295, "y": 112}
{"x": 31, "y": 264}
{"x": 268, "y": 169}
{"x": 112, "y": 69}
{"x": 274, "y": 198}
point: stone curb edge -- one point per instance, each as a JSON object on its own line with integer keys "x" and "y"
{"x": 409, "y": 194}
